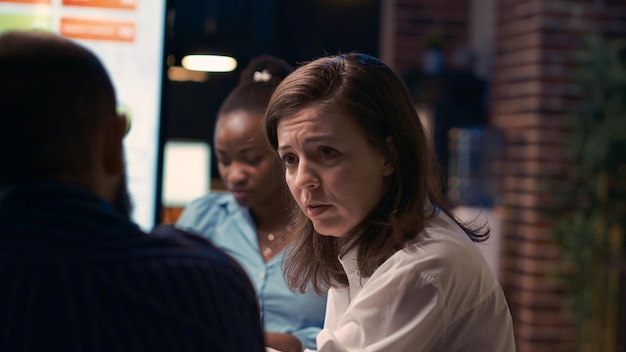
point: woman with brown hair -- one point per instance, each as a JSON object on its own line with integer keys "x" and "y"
{"x": 404, "y": 274}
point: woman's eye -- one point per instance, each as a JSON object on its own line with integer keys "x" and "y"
{"x": 223, "y": 161}
{"x": 254, "y": 161}
{"x": 327, "y": 152}
{"x": 288, "y": 159}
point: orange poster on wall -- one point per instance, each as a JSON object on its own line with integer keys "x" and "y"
{"x": 28, "y": 1}
{"x": 116, "y": 31}
{"x": 114, "y": 4}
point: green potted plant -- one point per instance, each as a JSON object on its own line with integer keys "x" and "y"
{"x": 589, "y": 226}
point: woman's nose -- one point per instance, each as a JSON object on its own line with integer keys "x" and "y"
{"x": 306, "y": 177}
{"x": 236, "y": 174}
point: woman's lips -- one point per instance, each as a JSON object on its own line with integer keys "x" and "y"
{"x": 240, "y": 194}
{"x": 317, "y": 210}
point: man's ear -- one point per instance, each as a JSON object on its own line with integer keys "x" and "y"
{"x": 391, "y": 158}
{"x": 113, "y": 153}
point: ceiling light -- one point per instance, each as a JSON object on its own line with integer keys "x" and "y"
{"x": 209, "y": 63}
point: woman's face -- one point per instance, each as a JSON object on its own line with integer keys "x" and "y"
{"x": 247, "y": 165}
{"x": 335, "y": 175}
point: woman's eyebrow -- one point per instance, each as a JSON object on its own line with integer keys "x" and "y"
{"x": 312, "y": 139}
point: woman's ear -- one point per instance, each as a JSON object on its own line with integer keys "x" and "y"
{"x": 391, "y": 158}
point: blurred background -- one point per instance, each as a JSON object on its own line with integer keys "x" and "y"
{"x": 526, "y": 103}
{"x": 295, "y": 31}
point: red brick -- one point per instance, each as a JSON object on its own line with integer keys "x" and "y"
{"x": 530, "y": 39}
{"x": 516, "y": 58}
{"x": 521, "y": 116}
{"x": 521, "y": 10}
{"x": 551, "y": 319}
{"x": 540, "y": 250}
{"x": 529, "y": 231}
{"x": 545, "y": 333}
{"x": 529, "y": 104}
{"x": 519, "y": 26}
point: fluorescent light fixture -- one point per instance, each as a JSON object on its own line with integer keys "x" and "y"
{"x": 209, "y": 63}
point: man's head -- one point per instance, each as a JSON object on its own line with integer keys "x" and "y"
{"x": 58, "y": 116}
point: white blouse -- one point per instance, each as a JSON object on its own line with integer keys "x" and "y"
{"x": 436, "y": 294}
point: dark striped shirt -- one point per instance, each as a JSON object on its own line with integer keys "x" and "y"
{"x": 77, "y": 276}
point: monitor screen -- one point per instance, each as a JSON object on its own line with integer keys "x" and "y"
{"x": 128, "y": 36}
{"x": 186, "y": 172}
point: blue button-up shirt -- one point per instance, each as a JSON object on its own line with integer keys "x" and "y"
{"x": 218, "y": 217}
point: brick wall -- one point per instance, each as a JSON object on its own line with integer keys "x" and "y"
{"x": 417, "y": 20}
{"x": 532, "y": 89}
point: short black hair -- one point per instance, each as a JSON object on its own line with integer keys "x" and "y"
{"x": 54, "y": 93}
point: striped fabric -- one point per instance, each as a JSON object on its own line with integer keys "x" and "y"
{"x": 76, "y": 276}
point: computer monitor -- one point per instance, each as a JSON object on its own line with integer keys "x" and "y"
{"x": 186, "y": 172}
{"x": 128, "y": 36}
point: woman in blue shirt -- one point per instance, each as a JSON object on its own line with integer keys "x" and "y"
{"x": 250, "y": 221}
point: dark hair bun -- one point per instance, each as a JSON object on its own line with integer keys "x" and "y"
{"x": 265, "y": 68}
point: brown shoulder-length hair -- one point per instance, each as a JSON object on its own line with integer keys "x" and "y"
{"x": 364, "y": 88}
